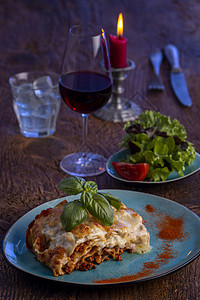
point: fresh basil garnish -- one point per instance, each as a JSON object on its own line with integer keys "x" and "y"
{"x": 86, "y": 198}
{"x": 72, "y": 185}
{"x": 97, "y": 204}
{"x": 73, "y": 215}
{"x": 114, "y": 201}
{"x": 100, "y": 208}
{"x": 91, "y": 187}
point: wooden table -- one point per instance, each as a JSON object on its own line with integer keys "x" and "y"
{"x": 33, "y": 35}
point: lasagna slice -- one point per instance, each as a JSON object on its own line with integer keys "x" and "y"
{"x": 88, "y": 244}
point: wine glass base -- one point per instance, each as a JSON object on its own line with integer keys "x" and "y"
{"x": 78, "y": 165}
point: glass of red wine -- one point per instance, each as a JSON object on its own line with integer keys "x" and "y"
{"x": 85, "y": 86}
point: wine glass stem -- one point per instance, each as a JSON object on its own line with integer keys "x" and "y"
{"x": 84, "y": 133}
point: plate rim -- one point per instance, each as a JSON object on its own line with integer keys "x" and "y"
{"x": 146, "y": 182}
{"x": 104, "y": 284}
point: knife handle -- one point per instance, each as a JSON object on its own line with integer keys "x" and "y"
{"x": 172, "y": 55}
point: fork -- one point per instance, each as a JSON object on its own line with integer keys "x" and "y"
{"x": 156, "y": 59}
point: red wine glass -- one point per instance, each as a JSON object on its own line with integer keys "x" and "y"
{"x": 85, "y": 86}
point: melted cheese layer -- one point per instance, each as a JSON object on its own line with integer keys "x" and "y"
{"x": 46, "y": 236}
{"x": 127, "y": 231}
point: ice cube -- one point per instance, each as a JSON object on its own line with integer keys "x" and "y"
{"x": 23, "y": 92}
{"x": 34, "y": 102}
{"x": 26, "y": 97}
{"x": 42, "y": 111}
{"x": 43, "y": 86}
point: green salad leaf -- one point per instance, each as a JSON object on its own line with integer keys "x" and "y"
{"x": 159, "y": 141}
{"x": 99, "y": 205}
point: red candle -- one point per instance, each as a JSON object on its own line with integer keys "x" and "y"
{"x": 118, "y": 47}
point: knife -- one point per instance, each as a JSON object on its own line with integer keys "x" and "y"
{"x": 177, "y": 77}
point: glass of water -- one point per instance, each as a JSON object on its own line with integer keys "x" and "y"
{"x": 36, "y": 102}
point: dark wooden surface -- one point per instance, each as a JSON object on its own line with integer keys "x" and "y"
{"x": 33, "y": 35}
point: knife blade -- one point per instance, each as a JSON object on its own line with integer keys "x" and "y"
{"x": 177, "y": 77}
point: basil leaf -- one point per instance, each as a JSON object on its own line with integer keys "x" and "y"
{"x": 114, "y": 201}
{"x": 100, "y": 208}
{"x": 73, "y": 215}
{"x": 85, "y": 198}
{"x": 91, "y": 187}
{"x": 72, "y": 185}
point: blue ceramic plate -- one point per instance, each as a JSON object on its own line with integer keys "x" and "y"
{"x": 123, "y": 154}
{"x": 134, "y": 267}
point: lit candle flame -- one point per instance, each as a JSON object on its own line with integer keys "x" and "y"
{"x": 120, "y": 25}
{"x": 102, "y": 33}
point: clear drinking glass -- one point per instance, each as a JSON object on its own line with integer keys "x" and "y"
{"x": 85, "y": 86}
{"x": 36, "y": 102}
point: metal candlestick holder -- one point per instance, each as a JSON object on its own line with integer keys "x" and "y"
{"x": 119, "y": 109}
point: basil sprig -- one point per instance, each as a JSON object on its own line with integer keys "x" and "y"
{"x": 97, "y": 204}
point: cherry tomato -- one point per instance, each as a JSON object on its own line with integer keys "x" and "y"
{"x": 128, "y": 171}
